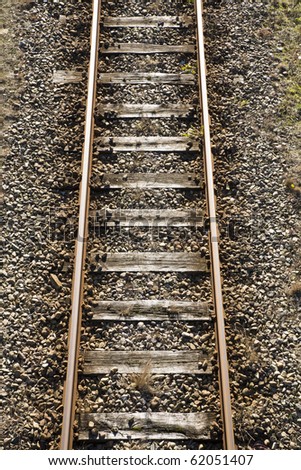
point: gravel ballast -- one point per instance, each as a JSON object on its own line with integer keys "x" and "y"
{"x": 259, "y": 223}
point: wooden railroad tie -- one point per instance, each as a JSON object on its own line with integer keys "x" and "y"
{"x": 189, "y": 361}
{"x": 150, "y": 310}
{"x": 147, "y": 144}
{"x": 148, "y": 262}
{"x": 135, "y": 78}
{"x": 142, "y": 48}
{"x": 146, "y": 181}
{"x": 148, "y": 22}
{"x": 130, "y": 110}
{"x": 149, "y": 426}
{"x": 143, "y": 181}
{"x": 149, "y": 218}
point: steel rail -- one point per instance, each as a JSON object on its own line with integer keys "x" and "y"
{"x": 228, "y": 433}
{"x": 70, "y": 389}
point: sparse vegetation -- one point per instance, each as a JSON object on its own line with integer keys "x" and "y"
{"x": 295, "y": 290}
{"x": 293, "y": 186}
{"x": 126, "y": 313}
{"x": 194, "y": 131}
{"x": 147, "y": 126}
{"x": 189, "y": 68}
{"x": 143, "y": 381}
{"x": 243, "y": 103}
{"x": 287, "y": 14}
{"x": 155, "y": 6}
{"x": 265, "y": 32}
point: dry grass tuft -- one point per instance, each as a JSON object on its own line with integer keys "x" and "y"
{"x": 265, "y": 33}
{"x": 143, "y": 380}
{"x": 295, "y": 290}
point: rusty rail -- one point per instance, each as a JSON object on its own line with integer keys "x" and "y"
{"x": 229, "y": 443}
{"x": 70, "y": 389}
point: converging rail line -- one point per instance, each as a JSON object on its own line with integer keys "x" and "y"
{"x": 146, "y": 425}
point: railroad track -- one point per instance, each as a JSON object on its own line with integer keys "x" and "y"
{"x": 195, "y": 318}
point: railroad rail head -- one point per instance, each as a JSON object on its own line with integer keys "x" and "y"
{"x": 228, "y": 436}
{"x": 80, "y": 249}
